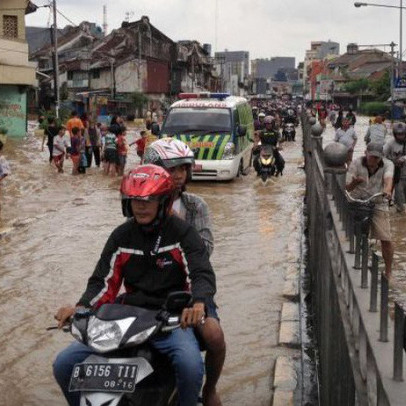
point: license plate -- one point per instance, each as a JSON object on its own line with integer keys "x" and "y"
{"x": 197, "y": 168}
{"x": 103, "y": 377}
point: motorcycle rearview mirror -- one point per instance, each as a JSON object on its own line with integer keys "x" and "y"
{"x": 177, "y": 301}
{"x": 155, "y": 130}
{"x": 241, "y": 130}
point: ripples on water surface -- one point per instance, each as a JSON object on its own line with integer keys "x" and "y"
{"x": 60, "y": 225}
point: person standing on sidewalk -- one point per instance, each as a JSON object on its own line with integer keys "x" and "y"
{"x": 376, "y": 131}
{"x": 395, "y": 150}
{"x": 337, "y": 124}
{"x": 351, "y": 116}
{"x": 366, "y": 176}
{"x": 346, "y": 135}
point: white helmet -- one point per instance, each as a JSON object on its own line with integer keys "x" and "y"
{"x": 168, "y": 153}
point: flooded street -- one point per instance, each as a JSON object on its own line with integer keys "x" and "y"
{"x": 55, "y": 226}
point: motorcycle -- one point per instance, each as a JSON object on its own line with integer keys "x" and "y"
{"x": 126, "y": 369}
{"x": 265, "y": 163}
{"x": 289, "y": 132}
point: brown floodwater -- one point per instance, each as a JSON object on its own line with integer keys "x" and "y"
{"x": 54, "y": 227}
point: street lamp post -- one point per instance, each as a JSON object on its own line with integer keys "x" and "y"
{"x": 359, "y": 4}
{"x": 56, "y": 63}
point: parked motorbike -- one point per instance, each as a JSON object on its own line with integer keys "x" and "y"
{"x": 289, "y": 132}
{"x": 126, "y": 369}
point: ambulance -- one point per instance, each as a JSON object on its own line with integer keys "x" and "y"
{"x": 218, "y": 128}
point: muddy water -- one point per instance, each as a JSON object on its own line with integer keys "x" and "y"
{"x": 55, "y": 226}
{"x": 398, "y": 220}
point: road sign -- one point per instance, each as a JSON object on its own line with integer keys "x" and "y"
{"x": 399, "y": 93}
{"x": 400, "y": 82}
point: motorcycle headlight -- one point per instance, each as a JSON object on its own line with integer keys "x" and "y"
{"x": 266, "y": 161}
{"x": 141, "y": 337}
{"x": 229, "y": 151}
{"x": 105, "y": 336}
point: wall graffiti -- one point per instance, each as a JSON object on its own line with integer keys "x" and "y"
{"x": 13, "y": 110}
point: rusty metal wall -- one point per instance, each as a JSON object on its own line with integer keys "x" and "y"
{"x": 158, "y": 76}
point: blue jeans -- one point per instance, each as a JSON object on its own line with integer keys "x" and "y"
{"x": 181, "y": 346}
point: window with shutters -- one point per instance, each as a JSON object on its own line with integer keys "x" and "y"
{"x": 10, "y": 26}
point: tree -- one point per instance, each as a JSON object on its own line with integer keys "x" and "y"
{"x": 357, "y": 86}
{"x": 381, "y": 87}
{"x": 139, "y": 101}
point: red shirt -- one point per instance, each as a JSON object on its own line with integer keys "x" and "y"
{"x": 121, "y": 145}
{"x": 141, "y": 145}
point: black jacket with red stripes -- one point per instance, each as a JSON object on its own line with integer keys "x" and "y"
{"x": 148, "y": 270}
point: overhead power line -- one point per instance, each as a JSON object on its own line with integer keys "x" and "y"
{"x": 66, "y": 18}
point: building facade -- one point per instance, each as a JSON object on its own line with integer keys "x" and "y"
{"x": 268, "y": 68}
{"x": 233, "y": 70}
{"x": 17, "y": 74}
{"x": 104, "y": 74}
{"x": 318, "y": 51}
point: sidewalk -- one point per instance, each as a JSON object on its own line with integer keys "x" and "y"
{"x": 398, "y": 220}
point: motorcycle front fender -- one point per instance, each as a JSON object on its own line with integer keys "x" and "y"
{"x": 99, "y": 399}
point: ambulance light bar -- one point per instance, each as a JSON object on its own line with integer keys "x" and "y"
{"x": 203, "y": 95}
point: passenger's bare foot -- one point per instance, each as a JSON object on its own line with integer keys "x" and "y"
{"x": 211, "y": 398}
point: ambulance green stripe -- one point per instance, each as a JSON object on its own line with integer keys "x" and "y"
{"x": 202, "y": 150}
{"x": 217, "y": 142}
{"x": 209, "y": 151}
{"x": 220, "y": 150}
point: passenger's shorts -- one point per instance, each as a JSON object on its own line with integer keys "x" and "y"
{"x": 58, "y": 158}
{"x": 111, "y": 156}
{"x": 123, "y": 160}
{"x": 211, "y": 309}
{"x": 380, "y": 226}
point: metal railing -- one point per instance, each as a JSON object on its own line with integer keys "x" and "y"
{"x": 367, "y": 325}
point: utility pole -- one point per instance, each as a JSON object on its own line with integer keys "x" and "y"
{"x": 400, "y": 40}
{"x": 113, "y": 80}
{"x": 392, "y": 85}
{"x": 105, "y": 20}
{"x": 56, "y": 67}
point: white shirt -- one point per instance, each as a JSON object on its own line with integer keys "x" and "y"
{"x": 347, "y": 138}
{"x": 179, "y": 208}
{"x": 373, "y": 183}
{"x": 62, "y": 143}
{"x": 4, "y": 166}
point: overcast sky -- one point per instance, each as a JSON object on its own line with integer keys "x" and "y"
{"x": 265, "y": 28}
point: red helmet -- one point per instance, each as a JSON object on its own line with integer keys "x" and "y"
{"x": 147, "y": 182}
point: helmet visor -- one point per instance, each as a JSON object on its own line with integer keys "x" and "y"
{"x": 171, "y": 163}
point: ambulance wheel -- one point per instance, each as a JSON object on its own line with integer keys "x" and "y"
{"x": 240, "y": 169}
